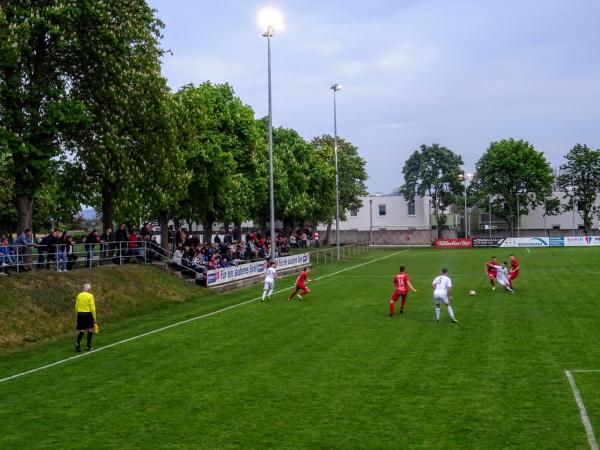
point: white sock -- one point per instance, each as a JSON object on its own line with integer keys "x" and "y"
{"x": 264, "y": 294}
{"x": 451, "y": 312}
{"x": 269, "y": 293}
{"x": 437, "y": 313}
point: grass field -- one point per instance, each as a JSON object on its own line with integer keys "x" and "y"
{"x": 333, "y": 371}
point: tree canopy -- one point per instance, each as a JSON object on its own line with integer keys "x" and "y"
{"x": 516, "y": 176}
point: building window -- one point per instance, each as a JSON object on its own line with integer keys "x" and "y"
{"x": 411, "y": 209}
{"x": 353, "y": 212}
{"x": 382, "y": 210}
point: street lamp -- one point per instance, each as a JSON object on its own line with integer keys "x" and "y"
{"x": 270, "y": 19}
{"x": 336, "y": 87}
{"x": 466, "y": 177}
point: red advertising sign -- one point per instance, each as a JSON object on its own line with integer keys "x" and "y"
{"x": 454, "y": 243}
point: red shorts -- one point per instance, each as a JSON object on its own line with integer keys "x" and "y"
{"x": 513, "y": 274}
{"x": 302, "y": 287}
{"x": 398, "y": 293}
{"x": 491, "y": 275}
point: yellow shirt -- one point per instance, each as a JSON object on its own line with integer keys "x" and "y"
{"x": 85, "y": 303}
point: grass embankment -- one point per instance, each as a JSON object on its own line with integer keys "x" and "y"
{"x": 39, "y": 306}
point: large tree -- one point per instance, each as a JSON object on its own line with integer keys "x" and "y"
{"x": 218, "y": 136}
{"x": 127, "y": 150}
{"x": 434, "y": 171}
{"x": 579, "y": 179}
{"x": 516, "y": 176}
{"x": 36, "y": 109}
{"x": 351, "y": 179}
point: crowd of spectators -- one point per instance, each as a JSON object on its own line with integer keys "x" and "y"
{"x": 189, "y": 252}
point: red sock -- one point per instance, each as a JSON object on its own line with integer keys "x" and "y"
{"x": 391, "y": 307}
{"x": 492, "y": 282}
{"x": 292, "y": 296}
{"x": 403, "y": 303}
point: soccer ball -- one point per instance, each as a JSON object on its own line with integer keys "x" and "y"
{"x": 472, "y": 293}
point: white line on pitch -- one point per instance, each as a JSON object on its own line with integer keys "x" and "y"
{"x": 584, "y": 370}
{"x": 176, "y": 324}
{"x": 582, "y": 412}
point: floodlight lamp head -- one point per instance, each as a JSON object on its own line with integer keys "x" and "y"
{"x": 336, "y": 87}
{"x": 270, "y": 19}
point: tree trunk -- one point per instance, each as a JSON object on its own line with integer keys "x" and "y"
{"x": 237, "y": 231}
{"x": 263, "y": 228}
{"x": 207, "y": 228}
{"x": 328, "y": 233}
{"x": 25, "y": 213}
{"x": 163, "y": 221}
{"x": 438, "y": 228}
{"x": 108, "y": 211}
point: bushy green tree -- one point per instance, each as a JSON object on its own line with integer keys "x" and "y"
{"x": 352, "y": 178}
{"x": 217, "y": 134}
{"x": 434, "y": 171}
{"x": 516, "y": 175}
{"x": 579, "y": 179}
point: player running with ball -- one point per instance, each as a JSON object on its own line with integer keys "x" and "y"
{"x": 402, "y": 283}
{"x": 301, "y": 285}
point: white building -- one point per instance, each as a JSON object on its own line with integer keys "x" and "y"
{"x": 390, "y": 212}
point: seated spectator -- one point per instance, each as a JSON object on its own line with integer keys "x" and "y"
{"x": 7, "y": 257}
{"x": 178, "y": 257}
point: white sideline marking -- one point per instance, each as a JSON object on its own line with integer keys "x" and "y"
{"x": 176, "y": 324}
{"x": 582, "y": 411}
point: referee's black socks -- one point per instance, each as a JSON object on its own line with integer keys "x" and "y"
{"x": 89, "y": 339}
{"x": 79, "y": 337}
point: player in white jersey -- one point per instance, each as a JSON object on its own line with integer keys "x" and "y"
{"x": 502, "y": 277}
{"x": 442, "y": 293}
{"x": 269, "y": 281}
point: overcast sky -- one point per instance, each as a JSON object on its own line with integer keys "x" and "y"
{"x": 461, "y": 73}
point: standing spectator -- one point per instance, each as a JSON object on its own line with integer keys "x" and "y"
{"x": 71, "y": 255}
{"x": 62, "y": 251}
{"x": 47, "y": 249}
{"x": 293, "y": 241}
{"x": 85, "y": 308}
{"x": 121, "y": 239}
{"x": 133, "y": 244}
{"x": 170, "y": 236}
{"x": 90, "y": 242}
{"x": 107, "y": 242}
{"x": 227, "y": 239}
{"x": 22, "y": 246}
{"x": 146, "y": 231}
{"x": 303, "y": 239}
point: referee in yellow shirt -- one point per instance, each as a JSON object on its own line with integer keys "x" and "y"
{"x": 85, "y": 309}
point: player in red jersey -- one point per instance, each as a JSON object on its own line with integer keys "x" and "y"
{"x": 491, "y": 270}
{"x": 514, "y": 272}
{"x": 402, "y": 283}
{"x": 301, "y": 285}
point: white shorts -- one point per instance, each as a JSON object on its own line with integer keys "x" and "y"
{"x": 441, "y": 297}
{"x": 269, "y": 285}
{"x": 503, "y": 282}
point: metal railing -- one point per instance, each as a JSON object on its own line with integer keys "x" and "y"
{"x": 330, "y": 253}
{"x": 22, "y": 258}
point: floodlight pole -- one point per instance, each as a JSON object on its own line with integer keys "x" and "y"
{"x": 335, "y": 88}
{"x": 573, "y": 200}
{"x": 269, "y": 34}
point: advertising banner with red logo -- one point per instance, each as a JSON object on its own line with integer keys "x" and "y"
{"x": 454, "y": 243}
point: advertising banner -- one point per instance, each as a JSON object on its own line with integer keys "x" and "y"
{"x": 487, "y": 242}
{"x": 558, "y": 241}
{"x": 526, "y": 242}
{"x": 225, "y": 275}
{"x": 454, "y": 243}
{"x": 581, "y": 241}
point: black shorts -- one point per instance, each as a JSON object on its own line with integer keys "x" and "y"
{"x": 85, "y": 321}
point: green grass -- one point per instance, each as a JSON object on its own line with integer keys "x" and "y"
{"x": 333, "y": 371}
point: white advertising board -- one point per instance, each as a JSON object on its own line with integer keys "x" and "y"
{"x": 526, "y": 242}
{"x": 226, "y": 275}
